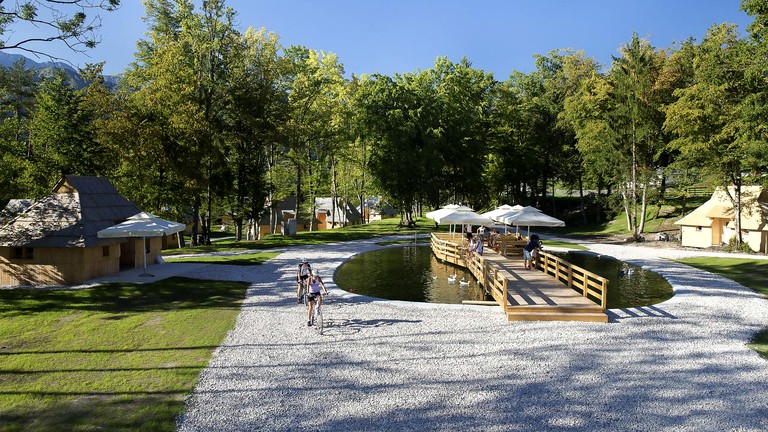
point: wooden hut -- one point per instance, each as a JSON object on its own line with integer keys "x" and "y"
{"x": 54, "y": 241}
{"x": 712, "y": 223}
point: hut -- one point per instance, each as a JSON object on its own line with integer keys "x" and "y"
{"x": 712, "y": 223}
{"x": 54, "y": 240}
{"x": 376, "y": 209}
{"x": 330, "y": 216}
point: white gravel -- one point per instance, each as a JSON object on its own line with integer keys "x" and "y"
{"x": 681, "y": 365}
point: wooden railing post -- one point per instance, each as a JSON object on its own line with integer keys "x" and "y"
{"x": 604, "y": 300}
{"x": 570, "y": 276}
{"x": 504, "y": 295}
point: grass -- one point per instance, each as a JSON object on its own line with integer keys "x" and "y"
{"x": 748, "y": 272}
{"x": 563, "y": 244}
{"x": 239, "y": 259}
{"x": 120, "y": 357}
{"x": 350, "y": 233}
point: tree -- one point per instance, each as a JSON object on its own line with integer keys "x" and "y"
{"x": 182, "y": 79}
{"x": 52, "y": 21}
{"x": 718, "y": 120}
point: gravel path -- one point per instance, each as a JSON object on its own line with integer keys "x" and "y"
{"x": 680, "y": 365}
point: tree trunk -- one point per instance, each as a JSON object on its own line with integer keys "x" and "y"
{"x": 581, "y": 198}
{"x": 195, "y": 221}
{"x": 333, "y": 192}
{"x": 644, "y": 207}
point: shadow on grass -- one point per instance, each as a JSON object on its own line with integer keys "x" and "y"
{"x": 153, "y": 413}
{"x": 167, "y": 294}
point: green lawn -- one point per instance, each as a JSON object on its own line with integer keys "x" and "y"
{"x": 114, "y": 358}
{"x": 240, "y": 259}
{"x": 748, "y": 272}
{"x": 353, "y": 232}
{"x": 563, "y": 244}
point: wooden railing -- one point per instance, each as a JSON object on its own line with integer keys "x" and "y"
{"x": 449, "y": 248}
{"x": 491, "y": 278}
{"x": 583, "y": 281}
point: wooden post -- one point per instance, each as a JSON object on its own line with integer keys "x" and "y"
{"x": 504, "y": 296}
{"x": 570, "y": 276}
{"x": 557, "y": 270}
{"x": 604, "y": 300}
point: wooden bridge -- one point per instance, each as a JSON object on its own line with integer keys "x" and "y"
{"x": 555, "y": 291}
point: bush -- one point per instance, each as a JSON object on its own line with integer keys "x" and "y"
{"x": 734, "y": 246}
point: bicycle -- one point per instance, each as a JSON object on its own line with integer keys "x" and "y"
{"x": 317, "y": 315}
{"x": 302, "y": 293}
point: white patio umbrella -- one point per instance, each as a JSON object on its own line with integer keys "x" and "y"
{"x": 500, "y": 210}
{"x": 447, "y": 209}
{"x": 531, "y": 216}
{"x": 463, "y": 218}
{"x": 142, "y": 225}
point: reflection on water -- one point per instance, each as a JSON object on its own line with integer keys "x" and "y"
{"x": 628, "y": 285}
{"x": 410, "y": 273}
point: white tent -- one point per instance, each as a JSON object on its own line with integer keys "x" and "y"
{"x": 142, "y": 225}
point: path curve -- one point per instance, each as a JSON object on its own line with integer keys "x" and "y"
{"x": 393, "y": 366}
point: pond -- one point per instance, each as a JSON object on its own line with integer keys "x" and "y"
{"x": 410, "y": 273}
{"x": 628, "y": 285}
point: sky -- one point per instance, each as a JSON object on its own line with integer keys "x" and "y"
{"x": 398, "y": 36}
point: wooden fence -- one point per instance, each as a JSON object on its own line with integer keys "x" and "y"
{"x": 583, "y": 281}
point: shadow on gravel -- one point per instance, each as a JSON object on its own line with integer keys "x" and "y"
{"x": 353, "y": 326}
{"x": 618, "y": 315}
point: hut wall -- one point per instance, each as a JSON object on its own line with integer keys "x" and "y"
{"x": 154, "y": 246}
{"x": 696, "y": 238}
{"x": 58, "y": 266}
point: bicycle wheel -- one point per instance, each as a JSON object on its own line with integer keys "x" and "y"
{"x": 304, "y": 299}
{"x": 318, "y": 319}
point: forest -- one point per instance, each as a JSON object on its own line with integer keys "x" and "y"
{"x": 211, "y": 121}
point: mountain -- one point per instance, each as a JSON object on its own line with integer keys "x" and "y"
{"x": 47, "y": 69}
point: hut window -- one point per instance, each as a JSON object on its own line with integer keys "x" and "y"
{"x": 698, "y": 229}
{"x": 105, "y": 251}
{"x": 22, "y": 253}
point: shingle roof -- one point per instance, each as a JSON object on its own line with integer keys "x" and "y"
{"x": 71, "y": 216}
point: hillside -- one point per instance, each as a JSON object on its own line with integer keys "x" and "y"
{"x": 46, "y": 69}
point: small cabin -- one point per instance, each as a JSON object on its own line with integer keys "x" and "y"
{"x": 54, "y": 240}
{"x": 713, "y": 224}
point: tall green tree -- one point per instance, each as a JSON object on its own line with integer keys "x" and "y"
{"x": 718, "y": 120}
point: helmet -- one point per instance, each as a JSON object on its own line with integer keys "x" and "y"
{"x": 304, "y": 261}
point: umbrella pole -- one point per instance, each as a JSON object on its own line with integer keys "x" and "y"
{"x": 144, "y": 251}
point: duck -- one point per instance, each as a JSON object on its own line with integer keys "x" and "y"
{"x": 452, "y": 278}
{"x": 463, "y": 282}
{"x": 434, "y": 277}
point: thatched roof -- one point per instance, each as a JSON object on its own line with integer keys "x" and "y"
{"x": 754, "y": 205}
{"x": 70, "y": 216}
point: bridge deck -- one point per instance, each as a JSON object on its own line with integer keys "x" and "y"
{"x": 531, "y": 295}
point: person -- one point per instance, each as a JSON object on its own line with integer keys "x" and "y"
{"x": 533, "y": 244}
{"x": 469, "y": 232}
{"x": 305, "y": 270}
{"x": 479, "y": 246}
{"x": 518, "y": 236}
{"x": 314, "y": 284}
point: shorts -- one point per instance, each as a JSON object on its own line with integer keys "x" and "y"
{"x": 527, "y": 255}
{"x": 304, "y": 277}
{"x": 312, "y": 296}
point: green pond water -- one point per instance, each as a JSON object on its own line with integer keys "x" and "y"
{"x": 412, "y": 273}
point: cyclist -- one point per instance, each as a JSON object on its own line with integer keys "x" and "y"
{"x": 314, "y": 293}
{"x": 305, "y": 270}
